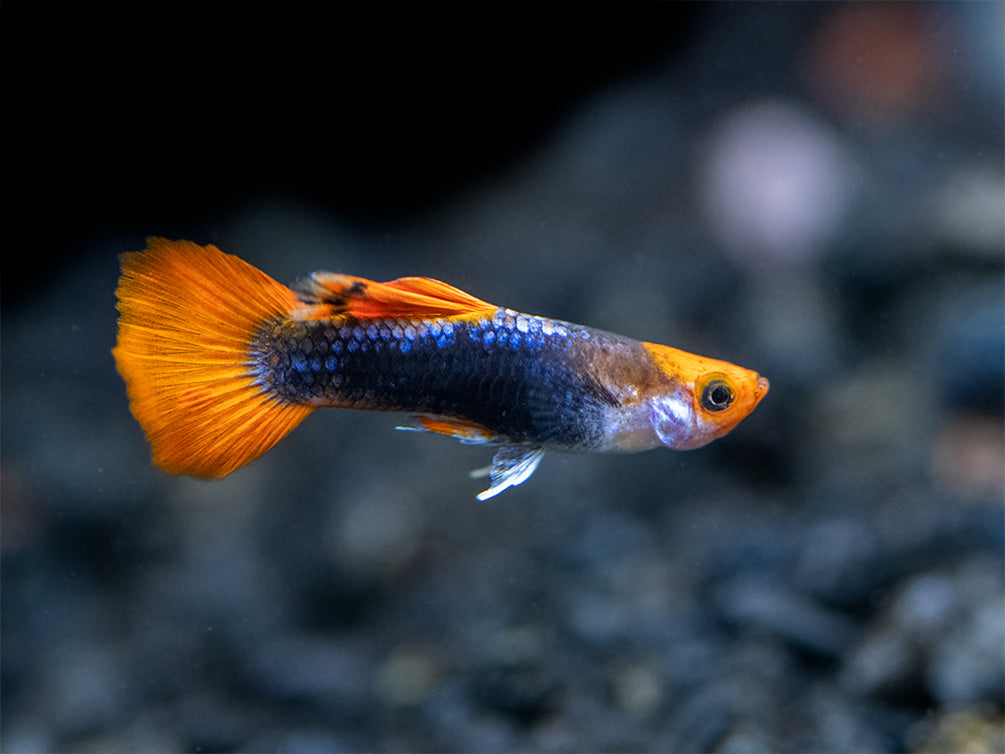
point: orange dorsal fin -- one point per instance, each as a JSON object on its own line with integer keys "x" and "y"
{"x": 334, "y": 293}
{"x": 187, "y": 314}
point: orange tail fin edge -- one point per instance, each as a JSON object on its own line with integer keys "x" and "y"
{"x": 187, "y": 314}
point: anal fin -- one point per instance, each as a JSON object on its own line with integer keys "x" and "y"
{"x": 511, "y": 465}
{"x": 467, "y": 432}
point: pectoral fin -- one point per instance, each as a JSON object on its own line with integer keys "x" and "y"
{"x": 511, "y": 465}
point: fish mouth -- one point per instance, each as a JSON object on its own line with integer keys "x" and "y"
{"x": 762, "y": 389}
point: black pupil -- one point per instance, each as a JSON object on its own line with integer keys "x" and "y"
{"x": 718, "y": 396}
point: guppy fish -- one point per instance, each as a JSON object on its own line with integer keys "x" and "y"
{"x": 220, "y": 362}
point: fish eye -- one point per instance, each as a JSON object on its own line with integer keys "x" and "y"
{"x": 717, "y": 395}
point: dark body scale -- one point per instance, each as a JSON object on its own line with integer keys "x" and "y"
{"x": 527, "y": 379}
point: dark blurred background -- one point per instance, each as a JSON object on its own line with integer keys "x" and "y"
{"x": 814, "y": 191}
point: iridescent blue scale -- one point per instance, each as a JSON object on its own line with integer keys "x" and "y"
{"x": 526, "y": 377}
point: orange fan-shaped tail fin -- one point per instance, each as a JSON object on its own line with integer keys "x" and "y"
{"x": 187, "y": 316}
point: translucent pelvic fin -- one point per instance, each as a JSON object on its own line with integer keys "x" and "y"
{"x": 512, "y": 465}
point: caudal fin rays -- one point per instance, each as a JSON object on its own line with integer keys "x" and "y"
{"x": 187, "y": 314}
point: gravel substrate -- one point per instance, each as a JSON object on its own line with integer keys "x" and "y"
{"x": 829, "y": 577}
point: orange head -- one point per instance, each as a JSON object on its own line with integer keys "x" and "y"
{"x": 708, "y": 397}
